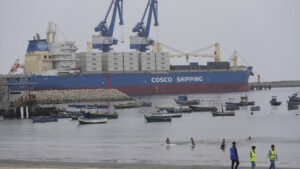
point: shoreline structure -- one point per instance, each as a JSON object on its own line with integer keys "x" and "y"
{"x": 18, "y": 164}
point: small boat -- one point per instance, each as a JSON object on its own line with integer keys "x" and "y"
{"x": 244, "y": 101}
{"x": 231, "y": 107}
{"x": 44, "y": 119}
{"x": 1, "y": 118}
{"x": 83, "y": 120}
{"x": 145, "y": 104}
{"x": 183, "y": 100}
{"x": 223, "y": 113}
{"x": 201, "y": 108}
{"x": 255, "y": 108}
{"x": 77, "y": 105}
{"x": 293, "y": 103}
{"x": 96, "y": 106}
{"x": 127, "y": 105}
{"x": 162, "y": 114}
{"x": 294, "y": 98}
{"x": 150, "y": 118}
{"x": 274, "y": 101}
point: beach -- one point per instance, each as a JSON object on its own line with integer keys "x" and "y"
{"x": 11, "y": 164}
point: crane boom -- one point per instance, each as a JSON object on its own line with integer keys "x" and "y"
{"x": 141, "y": 41}
{"x": 215, "y": 55}
{"x": 105, "y": 39}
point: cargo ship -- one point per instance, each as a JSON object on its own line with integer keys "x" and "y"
{"x": 51, "y": 65}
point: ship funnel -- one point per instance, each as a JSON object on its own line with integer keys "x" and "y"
{"x": 38, "y": 36}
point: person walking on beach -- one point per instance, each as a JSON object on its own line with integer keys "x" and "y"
{"x": 223, "y": 144}
{"x": 234, "y": 156}
{"x": 193, "y": 142}
{"x": 252, "y": 157}
{"x": 272, "y": 154}
{"x": 168, "y": 141}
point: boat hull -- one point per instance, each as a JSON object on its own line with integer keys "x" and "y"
{"x": 139, "y": 84}
{"x": 43, "y": 120}
{"x": 157, "y": 119}
{"x": 92, "y": 120}
{"x": 214, "y": 114}
{"x": 200, "y": 108}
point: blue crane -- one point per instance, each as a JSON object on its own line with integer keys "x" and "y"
{"x": 141, "y": 40}
{"x": 105, "y": 39}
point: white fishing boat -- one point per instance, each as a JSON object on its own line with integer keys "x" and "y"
{"x": 91, "y": 120}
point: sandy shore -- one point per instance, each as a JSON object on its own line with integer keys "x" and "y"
{"x": 10, "y": 164}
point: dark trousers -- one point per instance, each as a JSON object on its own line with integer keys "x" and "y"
{"x": 236, "y": 161}
{"x": 272, "y": 166}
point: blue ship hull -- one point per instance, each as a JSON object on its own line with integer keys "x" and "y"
{"x": 144, "y": 83}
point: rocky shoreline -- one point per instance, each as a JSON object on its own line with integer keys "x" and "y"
{"x": 82, "y": 95}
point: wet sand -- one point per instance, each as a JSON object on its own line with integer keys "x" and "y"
{"x": 11, "y": 164}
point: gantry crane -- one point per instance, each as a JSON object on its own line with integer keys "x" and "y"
{"x": 215, "y": 55}
{"x": 141, "y": 40}
{"x": 105, "y": 39}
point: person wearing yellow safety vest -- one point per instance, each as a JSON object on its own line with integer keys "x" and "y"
{"x": 252, "y": 157}
{"x": 273, "y": 156}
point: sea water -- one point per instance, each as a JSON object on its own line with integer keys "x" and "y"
{"x": 129, "y": 139}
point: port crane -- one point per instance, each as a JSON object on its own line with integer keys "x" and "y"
{"x": 215, "y": 55}
{"x": 141, "y": 40}
{"x": 105, "y": 39}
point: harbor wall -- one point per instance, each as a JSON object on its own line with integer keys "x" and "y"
{"x": 276, "y": 84}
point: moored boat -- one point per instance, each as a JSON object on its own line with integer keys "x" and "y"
{"x": 1, "y": 118}
{"x": 255, "y": 108}
{"x": 244, "y": 101}
{"x": 294, "y": 98}
{"x": 293, "y": 103}
{"x": 96, "y": 106}
{"x": 274, "y": 101}
{"x": 150, "y": 118}
{"x": 231, "y": 107}
{"x": 83, "y": 120}
{"x": 223, "y": 113}
{"x": 183, "y": 100}
{"x": 172, "y": 115}
{"x": 202, "y": 108}
{"x": 44, "y": 119}
{"x": 77, "y": 105}
{"x": 145, "y": 104}
{"x": 127, "y": 105}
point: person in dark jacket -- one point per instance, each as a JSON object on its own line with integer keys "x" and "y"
{"x": 234, "y": 156}
{"x": 223, "y": 144}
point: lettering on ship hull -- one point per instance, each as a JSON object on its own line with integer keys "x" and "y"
{"x": 178, "y": 79}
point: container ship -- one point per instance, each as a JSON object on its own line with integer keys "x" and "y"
{"x": 52, "y": 65}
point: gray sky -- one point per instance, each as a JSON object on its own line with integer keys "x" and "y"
{"x": 264, "y": 32}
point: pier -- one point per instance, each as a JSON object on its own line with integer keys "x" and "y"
{"x": 273, "y": 84}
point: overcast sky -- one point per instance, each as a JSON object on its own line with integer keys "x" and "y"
{"x": 264, "y": 32}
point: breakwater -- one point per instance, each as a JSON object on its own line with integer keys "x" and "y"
{"x": 82, "y": 95}
{"x": 276, "y": 84}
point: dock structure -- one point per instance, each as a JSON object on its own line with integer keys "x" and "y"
{"x": 253, "y": 87}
